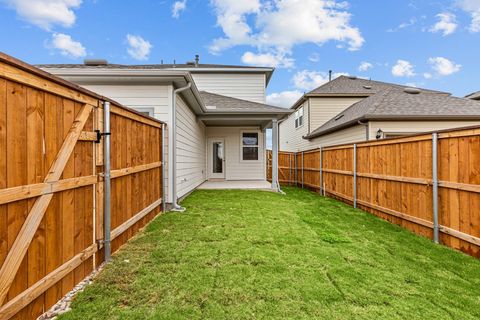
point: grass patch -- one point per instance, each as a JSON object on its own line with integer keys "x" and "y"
{"x": 260, "y": 255}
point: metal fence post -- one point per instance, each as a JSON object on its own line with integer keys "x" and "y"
{"x": 435, "y": 186}
{"x": 303, "y": 164}
{"x": 289, "y": 169}
{"x": 106, "y": 181}
{"x": 354, "y": 175}
{"x": 295, "y": 172}
{"x": 320, "y": 172}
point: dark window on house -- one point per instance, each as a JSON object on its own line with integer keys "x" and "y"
{"x": 299, "y": 117}
{"x": 250, "y": 146}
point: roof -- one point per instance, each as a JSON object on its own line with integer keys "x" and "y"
{"x": 191, "y": 67}
{"x": 145, "y": 66}
{"x": 9, "y": 60}
{"x": 474, "y": 96}
{"x": 224, "y": 104}
{"x": 353, "y": 86}
{"x": 395, "y": 104}
{"x": 358, "y": 86}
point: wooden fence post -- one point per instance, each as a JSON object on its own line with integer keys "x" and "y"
{"x": 303, "y": 164}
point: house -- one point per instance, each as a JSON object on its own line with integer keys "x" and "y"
{"x": 216, "y": 115}
{"x": 349, "y": 109}
{"x": 474, "y": 96}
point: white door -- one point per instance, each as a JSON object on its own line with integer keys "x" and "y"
{"x": 216, "y": 158}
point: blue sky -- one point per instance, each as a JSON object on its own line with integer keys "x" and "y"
{"x": 433, "y": 44}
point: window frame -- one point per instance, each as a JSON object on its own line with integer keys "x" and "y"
{"x": 242, "y": 146}
{"x": 299, "y": 117}
{"x": 150, "y": 111}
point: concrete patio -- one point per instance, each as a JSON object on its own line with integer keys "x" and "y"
{"x": 236, "y": 184}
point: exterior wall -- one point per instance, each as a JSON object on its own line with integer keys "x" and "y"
{"x": 191, "y": 150}
{"x": 242, "y": 86}
{"x": 141, "y": 97}
{"x": 235, "y": 169}
{"x": 324, "y": 109}
{"x": 291, "y": 137}
{"x": 352, "y": 134}
{"x": 415, "y": 126}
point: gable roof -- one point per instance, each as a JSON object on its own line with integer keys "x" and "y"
{"x": 191, "y": 67}
{"x": 395, "y": 104}
{"x": 348, "y": 86}
{"x": 474, "y": 96}
{"x": 224, "y": 104}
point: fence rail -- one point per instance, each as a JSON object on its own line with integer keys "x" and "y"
{"x": 51, "y": 185}
{"x": 423, "y": 183}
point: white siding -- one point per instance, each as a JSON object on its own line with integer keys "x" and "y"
{"x": 235, "y": 169}
{"x": 356, "y": 133}
{"x": 291, "y": 137}
{"x": 324, "y": 109}
{"x": 238, "y": 85}
{"x": 415, "y": 126}
{"x": 139, "y": 96}
{"x": 156, "y": 97}
{"x": 191, "y": 150}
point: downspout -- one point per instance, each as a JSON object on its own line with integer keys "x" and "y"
{"x": 175, "y": 205}
{"x": 367, "y": 133}
{"x": 164, "y": 185}
{"x": 279, "y": 189}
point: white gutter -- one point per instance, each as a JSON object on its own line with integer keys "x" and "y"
{"x": 175, "y": 205}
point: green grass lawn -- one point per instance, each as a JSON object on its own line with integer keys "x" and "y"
{"x": 261, "y": 255}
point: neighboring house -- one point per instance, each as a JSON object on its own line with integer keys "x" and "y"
{"x": 474, "y": 96}
{"x": 350, "y": 109}
{"x": 217, "y": 114}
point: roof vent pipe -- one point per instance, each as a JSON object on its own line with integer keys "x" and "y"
{"x": 411, "y": 90}
{"x": 329, "y": 75}
{"x": 95, "y": 62}
{"x": 197, "y": 60}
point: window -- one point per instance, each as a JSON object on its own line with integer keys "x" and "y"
{"x": 146, "y": 111}
{"x": 250, "y": 146}
{"x": 299, "y": 117}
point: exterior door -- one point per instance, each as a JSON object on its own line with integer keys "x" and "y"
{"x": 216, "y": 159}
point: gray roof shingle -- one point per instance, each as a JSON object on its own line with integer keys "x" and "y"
{"x": 224, "y": 104}
{"x": 357, "y": 86}
{"x": 145, "y": 66}
{"x": 474, "y": 96}
{"x": 395, "y": 104}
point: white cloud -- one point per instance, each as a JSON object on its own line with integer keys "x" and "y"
{"x": 67, "y": 46}
{"x": 443, "y": 66}
{"x": 279, "y": 60}
{"x": 446, "y": 24}
{"x": 46, "y": 13}
{"x": 178, "y": 7}
{"x": 473, "y": 8}
{"x": 139, "y": 48}
{"x": 284, "y": 99}
{"x": 308, "y": 80}
{"x": 403, "y": 68}
{"x": 404, "y": 25}
{"x": 364, "y": 66}
{"x": 314, "y": 57}
{"x": 427, "y": 75}
{"x": 282, "y": 24}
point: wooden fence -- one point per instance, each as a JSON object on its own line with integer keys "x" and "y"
{"x": 394, "y": 180}
{"x": 51, "y": 184}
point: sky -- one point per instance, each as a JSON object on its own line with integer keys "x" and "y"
{"x": 424, "y": 43}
